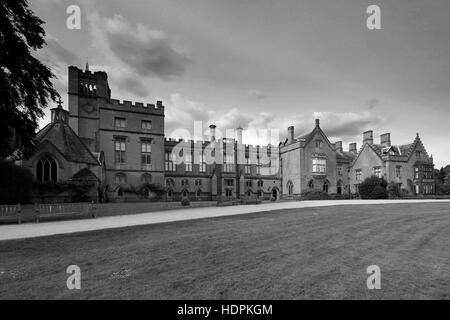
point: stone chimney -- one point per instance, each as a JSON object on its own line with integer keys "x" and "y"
{"x": 212, "y": 133}
{"x": 368, "y": 137}
{"x": 317, "y": 123}
{"x": 239, "y": 131}
{"x": 291, "y": 134}
{"x": 385, "y": 139}
{"x": 339, "y": 146}
{"x": 352, "y": 147}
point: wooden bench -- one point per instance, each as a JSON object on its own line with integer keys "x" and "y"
{"x": 11, "y": 212}
{"x": 64, "y": 209}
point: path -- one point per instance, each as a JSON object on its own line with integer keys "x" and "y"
{"x": 32, "y": 230}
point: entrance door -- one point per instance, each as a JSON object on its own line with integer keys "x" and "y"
{"x": 275, "y": 194}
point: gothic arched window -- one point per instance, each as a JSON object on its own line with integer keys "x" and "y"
{"x": 46, "y": 169}
{"x": 290, "y": 187}
{"x": 325, "y": 186}
{"x": 311, "y": 184}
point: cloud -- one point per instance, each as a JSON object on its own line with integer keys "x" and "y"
{"x": 148, "y": 52}
{"x": 257, "y": 94}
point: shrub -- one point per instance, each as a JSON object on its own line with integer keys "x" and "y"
{"x": 373, "y": 188}
{"x": 315, "y": 195}
{"x": 185, "y": 202}
{"x": 16, "y": 184}
{"x": 393, "y": 190}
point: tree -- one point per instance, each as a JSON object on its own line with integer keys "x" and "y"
{"x": 25, "y": 83}
{"x": 373, "y": 188}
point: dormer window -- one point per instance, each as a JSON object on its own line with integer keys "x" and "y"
{"x": 418, "y": 154}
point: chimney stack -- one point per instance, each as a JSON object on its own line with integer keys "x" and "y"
{"x": 212, "y": 133}
{"x": 317, "y": 122}
{"x": 338, "y": 146}
{"x": 385, "y": 139}
{"x": 368, "y": 137}
{"x": 291, "y": 134}
{"x": 352, "y": 147}
{"x": 239, "y": 131}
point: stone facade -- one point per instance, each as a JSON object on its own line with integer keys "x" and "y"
{"x": 123, "y": 145}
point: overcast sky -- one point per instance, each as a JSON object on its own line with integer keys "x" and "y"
{"x": 269, "y": 64}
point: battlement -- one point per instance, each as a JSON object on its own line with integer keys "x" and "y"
{"x": 135, "y": 106}
{"x": 247, "y": 147}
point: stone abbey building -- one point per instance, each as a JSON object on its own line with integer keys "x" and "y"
{"x": 122, "y": 147}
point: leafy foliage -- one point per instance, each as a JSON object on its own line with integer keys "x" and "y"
{"x": 185, "y": 202}
{"x": 15, "y": 184}
{"x": 315, "y": 195}
{"x": 25, "y": 83}
{"x": 373, "y": 188}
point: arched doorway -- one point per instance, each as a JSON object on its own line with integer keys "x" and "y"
{"x": 339, "y": 187}
{"x": 275, "y": 194}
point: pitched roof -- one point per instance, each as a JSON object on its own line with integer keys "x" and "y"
{"x": 345, "y": 156}
{"x": 67, "y": 142}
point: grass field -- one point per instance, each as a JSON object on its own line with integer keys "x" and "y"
{"x": 309, "y": 253}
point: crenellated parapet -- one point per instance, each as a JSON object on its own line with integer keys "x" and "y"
{"x": 126, "y": 105}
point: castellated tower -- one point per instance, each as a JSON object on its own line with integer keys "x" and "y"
{"x": 130, "y": 136}
{"x": 88, "y": 91}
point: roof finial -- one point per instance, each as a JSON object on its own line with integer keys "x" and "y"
{"x": 87, "y": 64}
{"x": 59, "y": 103}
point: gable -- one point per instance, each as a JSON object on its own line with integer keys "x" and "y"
{"x": 367, "y": 156}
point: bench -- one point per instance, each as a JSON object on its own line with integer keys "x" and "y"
{"x": 11, "y": 212}
{"x": 64, "y": 209}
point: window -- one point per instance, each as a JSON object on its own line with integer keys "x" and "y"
{"x": 119, "y": 150}
{"x": 311, "y": 184}
{"x": 260, "y": 194}
{"x": 228, "y": 163}
{"x": 339, "y": 171}
{"x": 358, "y": 175}
{"x": 146, "y": 178}
{"x": 169, "y": 193}
{"x": 202, "y": 163}
{"x": 318, "y": 144}
{"x": 418, "y": 154}
{"x": 319, "y": 164}
{"x": 198, "y": 193}
{"x": 249, "y": 183}
{"x": 146, "y": 152}
{"x": 120, "y": 178}
{"x": 119, "y": 122}
{"x": 185, "y": 193}
{"x": 184, "y": 182}
{"x": 325, "y": 186}
{"x": 198, "y": 182}
{"x": 248, "y": 167}
{"x": 228, "y": 193}
{"x": 46, "y": 169}
{"x": 260, "y": 183}
{"x": 188, "y": 161}
{"x": 398, "y": 171}
{"x": 258, "y": 166}
{"x": 428, "y": 172}
{"x": 416, "y": 173}
{"x": 170, "y": 183}
{"x": 377, "y": 172}
{"x": 170, "y": 159}
{"x": 146, "y": 125}
{"x": 229, "y": 182}
{"x": 290, "y": 187}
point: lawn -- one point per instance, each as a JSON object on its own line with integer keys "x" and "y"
{"x": 309, "y": 253}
